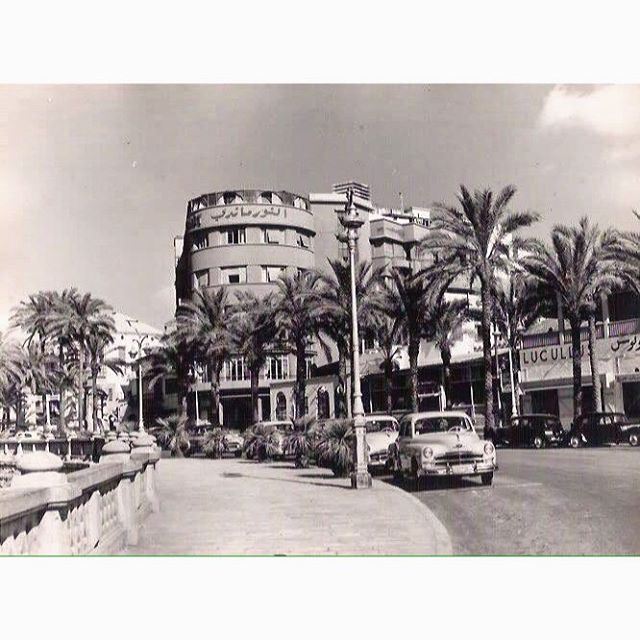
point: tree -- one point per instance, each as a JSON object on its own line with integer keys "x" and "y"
{"x": 336, "y": 312}
{"x": 203, "y": 326}
{"x": 255, "y": 336}
{"x": 298, "y": 314}
{"x": 473, "y": 239}
{"x": 577, "y": 267}
{"x": 447, "y": 317}
{"x": 172, "y": 358}
{"x": 12, "y": 374}
{"x": 387, "y": 329}
{"x": 75, "y": 318}
{"x": 410, "y": 298}
{"x": 33, "y": 316}
{"x": 97, "y": 344}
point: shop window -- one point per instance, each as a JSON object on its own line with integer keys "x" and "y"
{"x": 631, "y": 399}
{"x": 545, "y": 401}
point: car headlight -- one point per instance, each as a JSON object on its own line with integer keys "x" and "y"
{"x": 427, "y": 453}
{"x": 489, "y": 448}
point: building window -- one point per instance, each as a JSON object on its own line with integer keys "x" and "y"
{"x": 235, "y": 369}
{"x": 277, "y": 367}
{"x": 273, "y": 236}
{"x": 234, "y": 275}
{"x": 310, "y": 365}
{"x": 231, "y": 197}
{"x": 200, "y": 240}
{"x": 236, "y": 236}
{"x": 271, "y": 274}
{"x": 303, "y": 240}
{"x": 201, "y": 279}
{"x": 281, "y": 406}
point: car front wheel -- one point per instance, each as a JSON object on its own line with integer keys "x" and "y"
{"x": 487, "y": 479}
{"x": 574, "y": 442}
{"x": 538, "y": 442}
{"x": 634, "y": 439}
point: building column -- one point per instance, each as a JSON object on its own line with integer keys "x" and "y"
{"x": 605, "y": 314}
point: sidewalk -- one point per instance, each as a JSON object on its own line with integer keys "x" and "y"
{"x": 242, "y": 507}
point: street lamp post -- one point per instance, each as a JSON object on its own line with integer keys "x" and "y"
{"x": 195, "y": 382}
{"x": 351, "y": 221}
{"x": 138, "y": 354}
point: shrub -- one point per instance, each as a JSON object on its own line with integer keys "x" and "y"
{"x": 171, "y": 433}
{"x": 214, "y": 443}
{"x": 334, "y": 448}
{"x": 261, "y": 442}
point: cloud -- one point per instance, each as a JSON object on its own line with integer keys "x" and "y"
{"x": 608, "y": 110}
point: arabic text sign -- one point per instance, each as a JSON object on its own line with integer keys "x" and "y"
{"x": 240, "y": 213}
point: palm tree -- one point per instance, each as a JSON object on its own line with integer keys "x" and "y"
{"x": 12, "y": 374}
{"x": 298, "y": 314}
{"x": 577, "y": 267}
{"x": 472, "y": 240}
{"x": 336, "y": 312}
{"x": 447, "y": 317}
{"x": 33, "y": 316}
{"x": 172, "y": 434}
{"x": 411, "y": 299}
{"x": 255, "y": 336}
{"x": 97, "y": 344}
{"x": 387, "y": 329}
{"x": 75, "y": 318}
{"x": 203, "y": 326}
{"x": 172, "y": 358}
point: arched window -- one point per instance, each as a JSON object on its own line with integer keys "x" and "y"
{"x": 323, "y": 404}
{"x": 281, "y": 406}
{"x": 231, "y": 197}
{"x": 266, "y": 197}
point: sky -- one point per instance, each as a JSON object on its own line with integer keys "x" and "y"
{"x": 94, "y": 179}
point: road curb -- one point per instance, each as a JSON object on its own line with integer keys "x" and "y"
{"x": 442, "y": 540}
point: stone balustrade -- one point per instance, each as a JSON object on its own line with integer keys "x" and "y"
{"x": 97, "y": 510}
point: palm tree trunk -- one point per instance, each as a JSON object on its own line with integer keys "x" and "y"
{"x": 255, "y": 382}
{"x": 388, "y": 383}
{"x": 301, "y": 378}
{"x": 445, "y": 355}
{"x": 489, "y": 418}
{"x": 61, "y": 403}
{"x": 80, "y": 393}
{"x": 214, "y": 396}
{"x": 576, "y": 357}
{"x": 593, "y": 361}
{"x": 414, "y": 350}
{"x": 94, "y": 398}
{"x": 342, "y": 409}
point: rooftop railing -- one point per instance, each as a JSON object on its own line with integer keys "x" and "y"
{"x": 247, "y": 196}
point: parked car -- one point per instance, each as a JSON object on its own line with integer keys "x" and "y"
{"x": 604, "y": 428}
{"x": 233, "y": 443}
{"x": 381, "y": 433}
{"x": 440, "y": 444}
{"x": 537, "y": 430}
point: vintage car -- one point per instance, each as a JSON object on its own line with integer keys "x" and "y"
{"x": 537, "y": 430}
{"x": 233, "y": 443}
{"x": 381, "y": 433}
{"x": 440, "y": 444}
{"x": 604, "y": 428}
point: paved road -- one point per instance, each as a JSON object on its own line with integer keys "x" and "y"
{"x": 553, "y": 501}
{"x": 243, "y": 507}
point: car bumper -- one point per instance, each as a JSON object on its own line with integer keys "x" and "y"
{"x": 378, "y": 460}
{"x": 471, "y": 469}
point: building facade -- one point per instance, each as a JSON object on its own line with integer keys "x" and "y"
{"x": 244, "y": 239}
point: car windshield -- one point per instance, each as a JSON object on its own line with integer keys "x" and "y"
{"x": 441, "y": 424}
{"x": 381, "y": 424}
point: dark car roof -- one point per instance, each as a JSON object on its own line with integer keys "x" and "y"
{"x": 536, "y": 415}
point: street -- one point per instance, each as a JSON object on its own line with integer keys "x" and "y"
{"x": 550, "y": 501}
